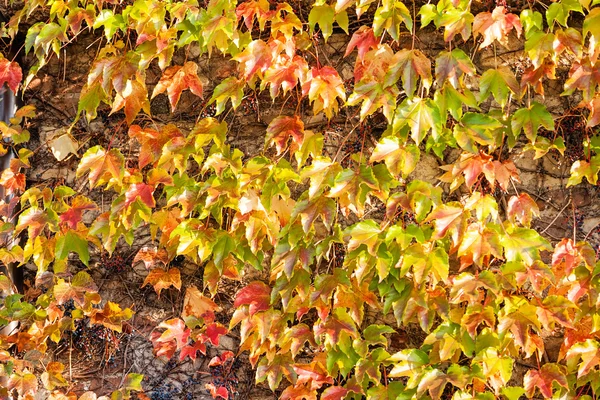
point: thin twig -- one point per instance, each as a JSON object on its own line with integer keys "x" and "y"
{"x": 556, "y": 217}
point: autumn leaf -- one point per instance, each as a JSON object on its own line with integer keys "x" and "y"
{"x": 448, "y": 218}
{"x": 140, "y": 191}
{"x": 10, "y": 73}
{"x": 133, "y": 99}
{"x": 421, "y": 115}
{"x": 176, "y": 79}
{"x": 408, "y": 65}
{"x": 80, "y": 284}
{"x": 256, "y": 294}
{"x": 23, "y": 383}
{"x": 530, "y": 119}
{"x": 281, "y": 129}
{"x": 103, "y": 167}
{"x": 197, "y": 305}
{"x": 230, "y": 89}
{"x": 112, "y": 316}
{"x": 401, "y": 159}
{"x": 161, "y": 279}
{"x": 274, "y": 370}
{"x": 192, "y": 350}
{"x": 249, "y": 10}
{"x": 217, "y": 391}
{"x": 522, "y": 208}
{"x": 12, "y": 182}
{"x": 214, "y": 331}
{"x": 363, "y": 40}
{"x": 152, "y": 141}
{"x": 543, "y": 379}
{"x": 255, "y": 59}
{"x": 365, "y": 232}
{"x": 498, "y": 82}
{"x": 150, "y": 257}
{"x": 496, "y": 26}
{"x": 323, "y": 87}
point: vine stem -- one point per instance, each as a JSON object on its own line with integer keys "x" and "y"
{"x": 556, "y": 217}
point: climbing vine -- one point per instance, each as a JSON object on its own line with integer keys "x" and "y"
{"x": 351, "y": 249}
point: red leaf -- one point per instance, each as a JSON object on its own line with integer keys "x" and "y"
{"x": 363, "y": 39}
{"x": 543, "y": 379}
{"x": 73, "y": 215}
{"x": 192, "y": 350}
{"x": 214, "y": 331}
{"x": 250, "y": 9}
{"x": 133, "y": 99}
{"x": 215, "y": 392}
{"x": 12, "y": 182}
{"x": 175, "y": 333}
{"x": 220, "y": 360}
{"x": 257, "y": 295}
{"x": 142, "y": 191}
{"x": 334, "y": 393}
{"x": 10, "y": 73}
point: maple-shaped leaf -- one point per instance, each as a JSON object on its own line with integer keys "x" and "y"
{"x": 522, "y": 208}
{"x": 314, "y": 374}
{"x": 80, "y": 284}
{"x": 400, "y": 158}
{"x": 256, "y": 58}
{"x": 365, "y": 232}
{"x": 530, "y": 119}
{"x": 569, "y": 39}
{"x": 466, "y": 169}
{"x": 572, "y": 254}
{"x": 522, "y": 244}
{"x": 324, "y": 16}
{"x": 389, "y": 15}
{"x": 24, "y": 383}
{"x": 465, "y": 287}
{"x": 73, "y": 215}
{"x": 334, "y": 393}
{"x": 248, "y": 10}
{"x": 281, "y": 129}
{"x": 498, "y": 82}
{"x": 11, "y": 182}
{"x": 274, "y": 370}
{"x": 451, "y": 66}
{"x": 363, "y": 39}
{"x": 197, "y": 305}
{"x": 73, "y": 241}
{"x": 176, "y": 79}
{"x": 478, "y": 243}
{"x": 52, "y": 377}
{"x": 294, "y": 339}
{"x": 150, "y": 257}
{"x": 214, "y": 331}
{"x": 556, "y": 309}
{"x": 299, "y": 392}
{"x": 583, "y": 169}
{"x": 534, "y": 76}
{"x": 133, "y": 99}
{"x": 140, "y": 191}
{"x": 284, "y": 74}
{"x": 191, "y": 350}
{"x": 10, "y": 73}
{"x": 256, "y": 294}
{"x": 475, "y": 128}
{"x": 112, "y": 316}
{"x": 103, "y": 166}
{"x": 583, "y": 76}
{"x": 448, "y": 218}
{"x": 323, "y": 87}
{"x": 519, "y": 320}
{"x": 543, "y": 379}
{"x": 161, "y": 279}
{"x": 477, "y": 315}
{"x": 407, "y": 362}
{"x": 496, "y": 26}
{"x": 336, "y": 323}
{"x": 230, "y": 89}
{"x": 409, "y": 65}
{"x": 175, "y": 331}
{"x": 421, "y": 115}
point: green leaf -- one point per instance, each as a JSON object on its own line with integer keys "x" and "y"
{"x": 498, "y": 82}
{"x": 69, "y": 242}
{"x": 230, "y": 89}
{"x": 421, "y": 115}
{"x": 559, "y": 11}
{"x": 583, "y": 169}
{"x": 365, "y": 232}
{"x": 530, "y": 120}
{"x": 475, "y": 128}
{"x": 532, "y": 21}
{"x": 408, "y": 363}
{"x": 389, "y": 16}
{"x": 323, "y": 16}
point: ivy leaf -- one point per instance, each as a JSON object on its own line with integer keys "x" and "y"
{"x": 10, "y": 73}
{"x": 192, "y": 350}
{"x": 530, "y": 119}
{"x": 539, "y": 46}
{"x": 162, "y": 279}
{"x": 522, "y": 244}
{"x": 543, "y": 379}
{"x": 496, "y": 26}
{"x": 133, "y": 99}
{"x": 112, "y": 316}
{"x": 448, "y": 218}
{"x": 256, "y": 294}
{"x": 217, "y": 391}
{"x": 23, "y": 383}
{"x": 408, "y": 65}
{"x": 498, "y": 82}
{"x": 365, "y": 232}
{"x": 230, "y": 89}
{"x": 451, "y": 66}
{"x": 324, "y": 86}
{"x": 175, "y": 330}
{"x": 80, "y": 284}
{"x": 274, "y": 370}
{"x": 176, "y": 79}
{"x": 103, "y": 167}
{"x": 140, "y": 191}
{"x": 248, "y": 10}
{"x": 559, "y": 12}
{"x": 334, "y": 393}
{"x": 256, "y": 58}
{"x": 522, "y": 208}
{"x": 421, "y": 115}
{"x": 408, "y": 362}
{"x": 363, "y": 39}
{"x": 280, "y": 130}
{"x": 214, "y": 331}
{"x": 456, "y": 21}
{"x": 583, "y": 169}
{"x": 569, "y": 39}
{"x": 389, "y": 16}
{"x": 588, "y": 352}
{"x": 152, "y": 141}
{"x": 591, "y": 24}
{"x": 72, "y": 241}
{"x": 374, "y": 95}
{"x": 334, "y": 325}
{"x": 323, "y": 15}
{"x": 195, "y": 304}
{"x": 310, "y": 210}
{"x": 151, "y": 257}
{"x": 401, "y": 159}
{"x": 475, "y": 128}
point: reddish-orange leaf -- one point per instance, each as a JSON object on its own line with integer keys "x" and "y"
{"x": 543, "y": 378}
{"x": 162, "y": 348}
{"x": 103, "y": 166}
{"x": 255, "y": 8}
{"x": 13, "y": 183}
{"x": 534, "y": 76}
{"x": 256, "y": 57}
{"x": 363, "y": 39}
{"x": 583, "y": 76}
{"x": 298, "y": 392}
{"x": 142, "y": 191}
{"x": 133, "y": 99}
{"x": 76, "y": 290}
{"x": 334, "y": 393}
{"x": 257, "y": 295}
{"x": 282, "y": 128}
{"x": 175, "y": 330}
{"x": 448, "y": 217}
{"x": 161, "y": 279}
{"x": 522, "y": 208}
{"x": 214, "y": 331}
{"x": 571, "y": 254}
{"x": 496, "y": 26}
{"x": 176, "y": 79}
{"x": 152, "y": 141}
{"x": 10, "y": 73}
{"x": 192, "y": 350}
{"x": 284, "y": 74}
{"x": 73, "y": 215}
{"x": 217, "y": 391}
{"x": 313, "y": 374}
{"x": 594, "y": 116}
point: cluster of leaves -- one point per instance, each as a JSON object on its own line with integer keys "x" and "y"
{"x": 484, "y": 287}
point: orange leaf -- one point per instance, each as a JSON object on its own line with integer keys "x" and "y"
{"x": 282, "y": 128}
{"x": 496, "y": 26}
{"x": 257, "y": 295}
{"x": 134, "y": 98}
{"x": 10, "y": 73}
{"x": 161, "y": 279}
{"x": 151, "y": 256}
{"x": 324, "y": 86}
{"x": 152, "y": 141}
{"x": 197, "y": 305}
{"x": 178, "y": 78}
